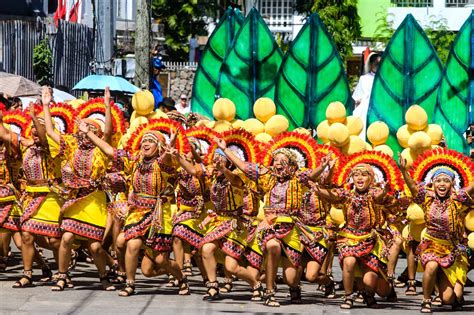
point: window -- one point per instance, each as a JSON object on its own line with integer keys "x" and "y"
{"x": 125, "y": 9}
{"x": 456, "y": 3}
{"x": 413, "y": 3}
{"x": 277, "y": 12}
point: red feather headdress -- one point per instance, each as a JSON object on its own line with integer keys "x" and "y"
{"x": 205, "y": 136}
{"x": 243, "y": 144}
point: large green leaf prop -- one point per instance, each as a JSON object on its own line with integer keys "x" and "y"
{"x": 250, "y": 67}
{"x": 207, "y": 74}
{"x": 456, "y": 92}
{"x": 409, "y": 73}
{"x": 310, "y": 77}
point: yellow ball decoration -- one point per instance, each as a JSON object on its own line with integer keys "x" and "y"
{"x": 470, "y": 240}
{"x": 143, "y": 102}
{"x": 156, "y": 114}
{"x": 322, "y": 131}
{"x": 222, "y": 125}
{"x": 419, "y": 141}
{"x": 378, "y": 133}
{"x": 276, "y": 125}
{"x": 415, "y": 231}
{"x": 254, "y": 126}
{"x": 303, "y": 131}
{"x": 264, "y": 108}
{"x": 336, "y": 112}
{"x": 435, "y": 132}
{"x": 237, "y": 123}
{"x": 355, "y": 145}
{"x": 355, "y": 125}
{"x": 201, "y": 122}
{"x": 403, "y": 134}
{"x": 368, "y": 147}
{"x": 385, "y": 149}
{"x": 223, "y": 109}
{"x": 409, "y": 155}
{"x": 338, "y": 134}
{"x": 137, "y": 122}
{"x": 469, "y": 221}
{"x": 415, "y": 214}
{"x": 337, "y": 216}
{"x": 263, "y": 137}
{"x": 210, "y": 123}
{"x": 416, "y": 118}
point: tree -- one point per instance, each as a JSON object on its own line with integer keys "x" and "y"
{"x": 142, "y": 45}
{"x": 341, "y": 20}
{"x": 181, "y": 19}
{"x": 440, "y": 36}
{"x": 43, "y": 62}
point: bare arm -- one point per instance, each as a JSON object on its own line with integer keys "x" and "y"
{"x": 101, "y": 144}
{"x": 5, "y": 134}
{"x": 380, "y": 195}
{"x": 470, "y": 189}
{"x": 108, "y": 127}
{"x": 46, "y": 99}
{"x": 325, "y": 194}
{"x": 40, "y": 129}
{"x": 406, "y": 176}
{"x": 187, "y": 165}
{"x": 234, "y": 159}
{"x": 234, "y": 179}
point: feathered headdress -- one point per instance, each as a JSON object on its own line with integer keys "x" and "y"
{"x": 205, "y": 137}
{"x": 243, "y": 144}
{"x": 17, "y": 121}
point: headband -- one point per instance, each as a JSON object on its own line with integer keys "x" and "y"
{"x": 443, "y": 171}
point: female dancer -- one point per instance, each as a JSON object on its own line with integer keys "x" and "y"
{"x": 149, "y": 214}
{"x": 282, "y": 185}
{"x": 226, "y": 226}
{"x": 84, "y": 213}
{"x": 358, "y": 243}
{"x": 441, "y": 251}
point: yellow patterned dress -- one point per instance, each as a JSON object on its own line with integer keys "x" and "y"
{"x": 282, "y": 200}
{"x": 10, "y": 212}
{"x": 149, "y": 201}
{"x": 41, "y": 207}
{"x": 83, "y": 167}
{"x": 231, "y": 219}
{"x": 443, "y": 241}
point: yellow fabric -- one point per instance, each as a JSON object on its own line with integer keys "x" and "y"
{"x": 8, "y": 198}
{"x": 36, "y": 189}
{"x": 135, "y": 215}
{"x": 49, "y": 210}
{"x": 92, "y": 209}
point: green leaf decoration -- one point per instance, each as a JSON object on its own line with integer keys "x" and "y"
{"x": 207, "y": 73}
{"x": 250, "y": 68}
{"x": 311, "y": 76}
{"x": 409, "y": 73}
{"x": 456, "y": 92}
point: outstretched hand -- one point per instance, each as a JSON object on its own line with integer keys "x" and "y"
{"x": 107, "y": 96}
{"x": 46, "y": 96}
{"x": 31, "y": 108}
{"x": 220, "y": 143}
{"x": 83, "y": 126}
{"x": 402, "y": 162}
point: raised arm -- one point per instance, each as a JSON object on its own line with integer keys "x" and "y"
{"x": 315, "y": 173}
{"x": 379, "y": 196}
{"x": 108, "y": 127}
{"x": 187, "y": 165}
{"x": 101, "y": 144}
{"x": 470, "y": 189}
{"x": 46, "y": 99}
{"x": 325, "y": 194}
{"x": 402, "y": 162}
{"x": 234, "y": 179}
{"x": 40, "y": 129}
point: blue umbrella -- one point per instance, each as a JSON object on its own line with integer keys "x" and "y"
{"x": 97, "y": 82}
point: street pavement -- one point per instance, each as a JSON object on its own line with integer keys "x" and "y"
{"x": 153, "y": 297}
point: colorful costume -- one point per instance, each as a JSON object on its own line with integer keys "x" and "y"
{"x": 10, "y": 212}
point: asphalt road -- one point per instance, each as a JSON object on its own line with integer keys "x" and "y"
{"x": 153, "y": 297}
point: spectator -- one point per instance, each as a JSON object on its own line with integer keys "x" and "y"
{"x": 183, "y": 106}
{"x": 167, "y": 105}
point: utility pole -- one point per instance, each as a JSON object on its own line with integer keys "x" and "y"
{"x": 142, "y": 44}
{"x": 104, "y": 41}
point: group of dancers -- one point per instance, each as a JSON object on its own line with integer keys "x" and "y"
{"x": 170, "y": 195}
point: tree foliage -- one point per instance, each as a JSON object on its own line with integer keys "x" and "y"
{"x": 340, "y": 18}
{"x": 43, "y": 62}
{"x": 181, "y": 19}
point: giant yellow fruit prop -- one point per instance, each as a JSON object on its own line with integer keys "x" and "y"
{"x": 419, "y": 141}
{"x": 137, "y": 122}
{"x": 276, "y": 125}
{"x": 133, "y": 116}
{"x": 377, "y": 133}
{"x": 143, "y": 102}
{"x": 222, "y": 125}
{"x": 338, "y": 134}
{"x": 415, "y": 231}
{"x": 337, "y": 216}
{"x": 264, "y": 108}
{"x": 355, "y": 145}
{"x": 322, "y": 131}
{"x": 263, "y": 137}
{"x": 409, "y": 155}
{"x": 384, "y": 149}
{"x": 470, "y": 240}
{"x": 156, "y": 114}
{"x": 303, "y": 131}
{"x": 435, "y": 132}
{"x": 416, "y": 118}
{"x": 237, "y": 123}
{"x": 336, "y": 112}
{"x": 415, "y": 214}
{"x": 223, "y": 109}
{"x": 254, "y": 126}
{"x": 403, "y": 135}
{"x": 355, "y": 125}
{"x": 469, "y": 221}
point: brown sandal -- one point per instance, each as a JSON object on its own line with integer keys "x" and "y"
{"x": 411, "y": 288}
{"x": 183, "y": 287}
{"x": 426, "y": 306}
{"x": 270, "y": 299}
{"x": 227, "y": 288}
{"x": 128, "y": 289}
{"x": 348, "y": 302}
{"x": 25, "y": 281}
{"x": 106, "y": 284}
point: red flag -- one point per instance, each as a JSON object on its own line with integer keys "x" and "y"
{"x": 74, "y": 13}
{"x": 60, "y": 13}
{"x": 366, "y": 54}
